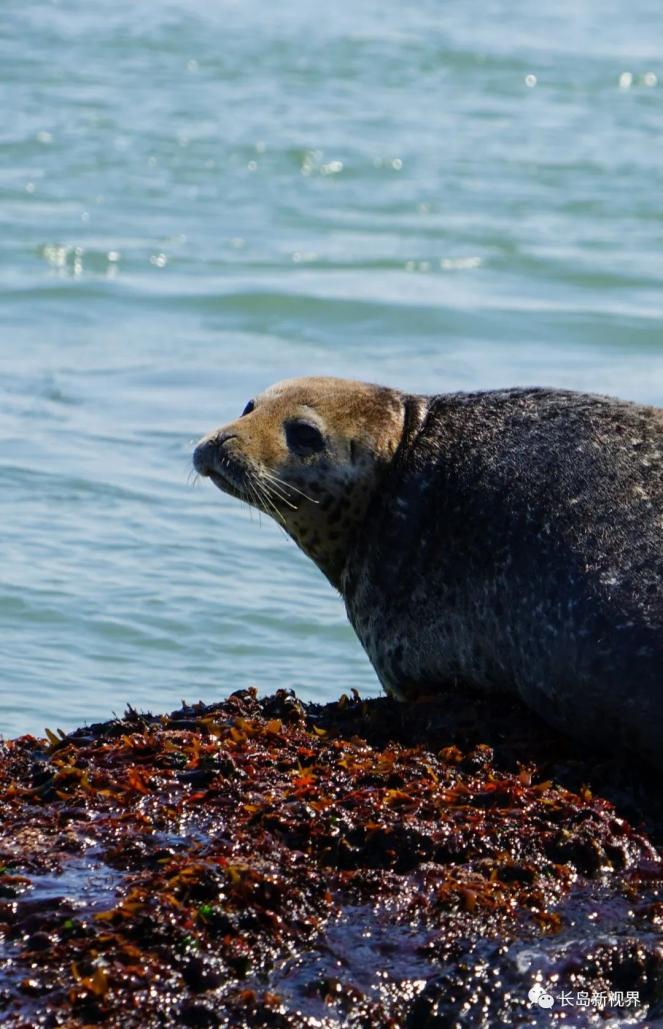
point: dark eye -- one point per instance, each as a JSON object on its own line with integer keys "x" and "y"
{"x": 303, "y": 438}
{"x": 249, "y": 407}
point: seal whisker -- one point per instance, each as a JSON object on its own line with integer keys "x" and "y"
{"x": 272, "y": 493}
{"x": 275, "y": 491}
{"x": 251, "y": 501}
{"x": 252, "y": 497}
{"x": 276, "y": 486}
{"x": 262, "y": 493}
{"x": 259, "y": 505}
{"x": 255, "y": 496}
{"x": 266, "y": 488}
{"x": 262, "y": 496}
{"x": 288, "y": 485}
{"x": 274, "y": 508}
{"x": 252, "y": 487}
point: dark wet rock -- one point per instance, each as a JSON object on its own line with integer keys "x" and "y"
{"x": 39, "y": 941}
{"x": 198, "y": 1015}
{"x": 364, "y": 864}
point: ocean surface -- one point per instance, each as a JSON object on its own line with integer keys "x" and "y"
{"x": 200, "y": 198}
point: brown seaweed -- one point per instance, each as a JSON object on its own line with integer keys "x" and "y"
{"x": 258, "y": 862}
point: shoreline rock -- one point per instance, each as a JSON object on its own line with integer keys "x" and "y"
{"x": 262, "y": 862}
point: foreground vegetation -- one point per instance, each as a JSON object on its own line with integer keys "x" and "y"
{"x": 264, "y": 863}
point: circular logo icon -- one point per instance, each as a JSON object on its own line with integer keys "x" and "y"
{"x": 537, "y": 995}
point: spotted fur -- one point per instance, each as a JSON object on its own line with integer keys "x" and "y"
{"x": 362, "y": 426}
{"x": 505, "y": 540}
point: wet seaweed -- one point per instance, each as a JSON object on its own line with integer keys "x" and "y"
{"x": 264, "y": 863}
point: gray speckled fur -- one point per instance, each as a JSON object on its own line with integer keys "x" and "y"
{"x": 516, "y": 540}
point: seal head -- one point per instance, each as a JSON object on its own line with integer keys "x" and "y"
{"x": 309, "y": 452}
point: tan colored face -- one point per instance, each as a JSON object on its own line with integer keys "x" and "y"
{"x": 309, "y": 452}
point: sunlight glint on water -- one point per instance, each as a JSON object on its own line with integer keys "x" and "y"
{"x": 202, "y": 198}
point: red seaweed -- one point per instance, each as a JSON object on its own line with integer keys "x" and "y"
{"x": 258, "y": 862}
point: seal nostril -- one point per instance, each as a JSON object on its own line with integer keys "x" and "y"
{"x": 202, "y": 457}
{"x": 207, "y": 452}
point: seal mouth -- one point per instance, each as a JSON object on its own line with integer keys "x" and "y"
{"x": 222, "y": 469}
{"x": 228, "y": 478}
{"x": 232, "y": 475}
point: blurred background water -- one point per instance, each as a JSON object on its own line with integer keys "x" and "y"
{"x": 200, "y": 198}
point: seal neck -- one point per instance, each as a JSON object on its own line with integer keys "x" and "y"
{"x": 414, "y": 411}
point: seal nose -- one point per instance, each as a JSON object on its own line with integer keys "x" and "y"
{"x": 207, "y": 452}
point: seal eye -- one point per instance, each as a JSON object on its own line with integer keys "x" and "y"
{"x": 303, "y": 438}
{"x": 249, "y": 407}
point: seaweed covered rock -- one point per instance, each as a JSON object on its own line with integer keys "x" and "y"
{"x": 258, "y": 862}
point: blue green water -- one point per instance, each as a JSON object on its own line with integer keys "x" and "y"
{"x": 199, "y": 198}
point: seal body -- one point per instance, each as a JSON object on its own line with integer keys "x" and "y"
{"x": 505, "y": 540}
{"x": 517, "y": 542}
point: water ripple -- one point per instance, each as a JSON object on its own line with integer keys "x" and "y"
{"x": 438, "y": 198}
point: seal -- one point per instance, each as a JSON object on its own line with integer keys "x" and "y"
{"x": 503, "y": 540}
